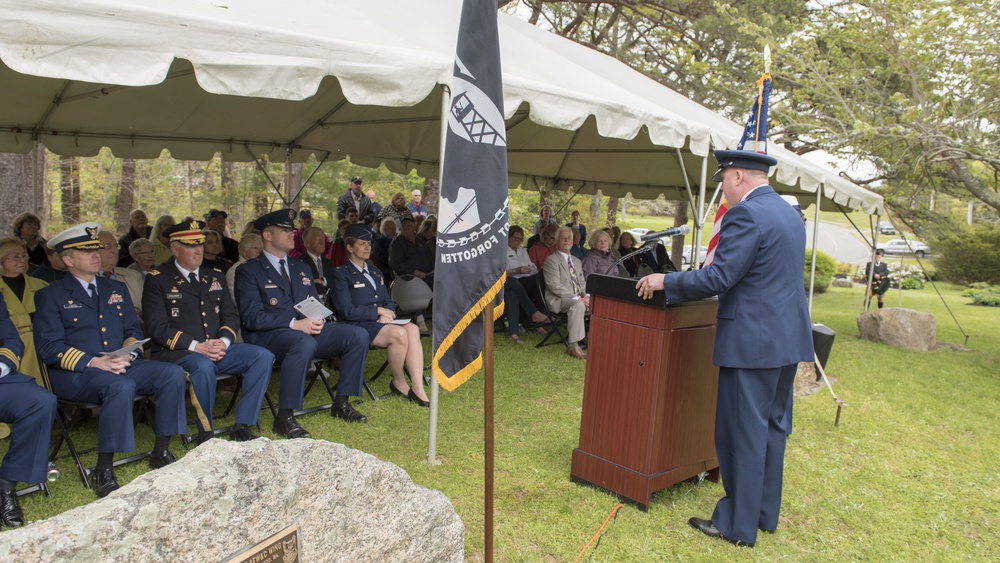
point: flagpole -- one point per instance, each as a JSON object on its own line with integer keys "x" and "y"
{"x": 488, "y": 426}
{"x": 435, "y": 386}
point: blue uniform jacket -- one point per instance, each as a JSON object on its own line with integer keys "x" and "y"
{"x": 69, "y": 332}
{"x": 265, "y": 299}
{"x": 758, "y": 274}
{"x": 353, "y": 298}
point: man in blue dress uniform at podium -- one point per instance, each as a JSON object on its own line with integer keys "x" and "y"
{"x": 762, "y": 333}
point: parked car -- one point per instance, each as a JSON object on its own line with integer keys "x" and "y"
{"x": 637, "y": 233}
{"x": 900, "y": 246}
{"x": 688, "y": 254}
{"x": 886, "y": 228}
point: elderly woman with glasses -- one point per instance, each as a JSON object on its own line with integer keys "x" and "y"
{"x": 26, "y": 227}
{"x": 161, "y": 244}
{"x": 143, "y": 256}
{"x": 19, "y": 294}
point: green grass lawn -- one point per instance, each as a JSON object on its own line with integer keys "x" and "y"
{"x": 911, "y": 473}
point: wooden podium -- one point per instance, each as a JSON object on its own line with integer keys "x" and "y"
{"x": 650, "y": 392}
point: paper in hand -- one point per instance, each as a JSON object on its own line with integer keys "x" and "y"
{"x": 311, "y": 308}
{"x": 127, "y": 350}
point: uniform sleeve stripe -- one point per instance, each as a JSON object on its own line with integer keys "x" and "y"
{"x": 231, "y": 331}
{"x": 128, "y": 341}
{"x": 173, "y": 341}
{"x": 70, "y": 359}
{"x": 10, "y": 355}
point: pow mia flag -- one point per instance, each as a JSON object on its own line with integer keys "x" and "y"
{"x": 472, "y": 215}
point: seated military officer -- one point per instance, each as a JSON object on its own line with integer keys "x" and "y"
{"x": 79, "y": 321}
{"x": 192, "y": 321}
{"x": 267, "y": 290}
{"x": 30, "y": 409}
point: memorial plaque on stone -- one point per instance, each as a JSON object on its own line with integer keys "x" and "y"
{"x": 282, "y": 547}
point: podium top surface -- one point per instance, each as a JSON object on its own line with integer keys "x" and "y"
{"x": 623, "y": 289}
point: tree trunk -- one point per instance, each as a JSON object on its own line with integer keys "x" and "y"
{"x": 293, "y": 191}
{"x": 126, "y": 195}
{"x": 69, "y": 185}
{"x": 595, "y": 206}
{"x": 16, "y": 187}
{"x": 189, "y": 166}
{"x": 432, "y": 195}
{"x": 612, "y": 211}
{"x": 677, "y": 246}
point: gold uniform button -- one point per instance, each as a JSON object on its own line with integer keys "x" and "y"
{"x": 103, "y": 329}
{"x": 74, "y": 319}
{"x": 203, "y": 313}
{"x": 206, "y": 325}
{"x": 105, "y": 342}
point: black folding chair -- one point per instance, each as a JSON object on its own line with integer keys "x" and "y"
{"x": 556, "y": 318}
{"x": 237, "y": 382}
{"x": 316, "y": 372}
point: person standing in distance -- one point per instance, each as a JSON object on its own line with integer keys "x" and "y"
{"x": 762, "y": 333}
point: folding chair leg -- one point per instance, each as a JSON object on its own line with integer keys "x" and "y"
{"x": 37, "y": 487}
{"x": 64, "y": 429}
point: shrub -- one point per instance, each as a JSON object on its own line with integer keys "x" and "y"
{"x": 968, "y": 254}
{"x": 986, "y": 298}
{"x": 826, "y": 267}
{"x": 844, "y": 270}
{"x": 906, "y": 277}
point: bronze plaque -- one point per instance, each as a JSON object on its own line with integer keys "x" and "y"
{"x": 282, "y": 547}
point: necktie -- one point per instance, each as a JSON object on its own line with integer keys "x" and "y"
{"x": 193, "y": 277}
{"x": 107, "y": 274}
{"x": 93, "y": 295}
{"x": 284, "y": 272}
{"x": 319, "y": 269}
{"x": 371, "y": 280}
{"x": 572, "y": 274}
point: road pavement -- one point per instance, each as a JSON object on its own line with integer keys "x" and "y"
{"x": 843, "y": 244}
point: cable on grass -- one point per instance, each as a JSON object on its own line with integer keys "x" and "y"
{"x": 614, "y": 513}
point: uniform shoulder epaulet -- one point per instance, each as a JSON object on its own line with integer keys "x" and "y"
{"x": 217, "y": 270}
{"x": 153, "y": 273}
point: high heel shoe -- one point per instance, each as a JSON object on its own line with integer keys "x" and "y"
{"x": 413, "y": 397}
{"x": 394, "y": 391}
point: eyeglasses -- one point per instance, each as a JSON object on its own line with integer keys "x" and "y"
{"x": 17, "y": 257}
{"x": 108, "y": 246}
{"x": 518, "y": 238}
{"x": 146, "y": 253}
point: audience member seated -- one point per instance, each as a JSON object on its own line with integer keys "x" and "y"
{"x": 250, "y": 247}
{"x": 658, "y": 259}
{"x": 218, "y": 221}
{"x": 577, "y": 249}
{"x": 627, "y": 246}
{"x": 142, "y": 253}
{"x": 110, "y": 270}
{"x": 427, "y": 233}
{"x": 396, "y": 210}
{"x": 408, "y": 257}
{"x": 355, "y": 198}
{"x": 599, "y": 259}
{"x": 305, "y": 221}
{"x": 26, "y": 227}
{"x": 320, "y": 266}
{"x": 360, "y": 297}
{"x": 545, "y": 247}
{"x": 31, "y": 410}
{"x": 249, "y": 229}
{"x": 565, "y": 290}
{"x": 138, "y": 229}
{"x": 338, "y": 251}
{"x": 267, "y": 290}
{"x": 192, "y": 322}
{"x": 520, "y": 266}
{"x": 380, "y": 247}
{"x": 416, "y": 208}
{"x": 214, "y": 257}
{"x": 161, "y": 245}
{"x": 52, "y": 270}
{"x": 77, "y": 321}
{"x": 18, "y": 292}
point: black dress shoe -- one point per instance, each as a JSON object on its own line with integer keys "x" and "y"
{"x": 103, "y": 481}
{"x": 289, "y": 428}
{"x": 413, "y": 397}
{"x": 765, "y": 530}
{"x": 706, "y": 527}
{"x": 393, "y": 390}
{"x": 243, "y": 434}
{"x": 161, "y": 459}
{"x": 10, "y": 511}
{"x": 347, "y": 412}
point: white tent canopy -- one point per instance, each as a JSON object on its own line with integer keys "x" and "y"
{"x": 349, "y": 78}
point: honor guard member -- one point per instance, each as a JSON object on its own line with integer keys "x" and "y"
{"x": 78, "y": 321}
{"x": 267, "y": 290}
{"x": 192, "y": 322}
{"x": 30, "y": 409}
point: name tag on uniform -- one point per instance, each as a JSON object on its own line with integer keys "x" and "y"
{"x": 174, "y": 295}
{"x": 359, "y": 285}
{"x": 270, "y": 286}
{"x": 72, "y": 305}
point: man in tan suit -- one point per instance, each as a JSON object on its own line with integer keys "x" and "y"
{"x": 109, "y": 269}
{"x": 565, "y": 290}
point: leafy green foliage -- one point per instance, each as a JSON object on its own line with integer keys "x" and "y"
{"x": 826, "y": 267}
{"x": 970, "y": 254}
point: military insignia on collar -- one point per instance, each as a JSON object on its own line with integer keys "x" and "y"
{"x": 153, "y": 272}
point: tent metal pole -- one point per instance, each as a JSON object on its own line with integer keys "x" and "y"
{"x": 435, "y": 387}
{"x": 812, "y": 268}
{"x": 35, "y": 200}
{"x": 700, "y": 212}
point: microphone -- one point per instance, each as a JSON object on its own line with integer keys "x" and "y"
{"x": 676, "y": 231}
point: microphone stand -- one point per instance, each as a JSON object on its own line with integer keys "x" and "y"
{"x": 648, "y": 247}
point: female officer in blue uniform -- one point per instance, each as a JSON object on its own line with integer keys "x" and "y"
{"x": 359, "y": 296}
